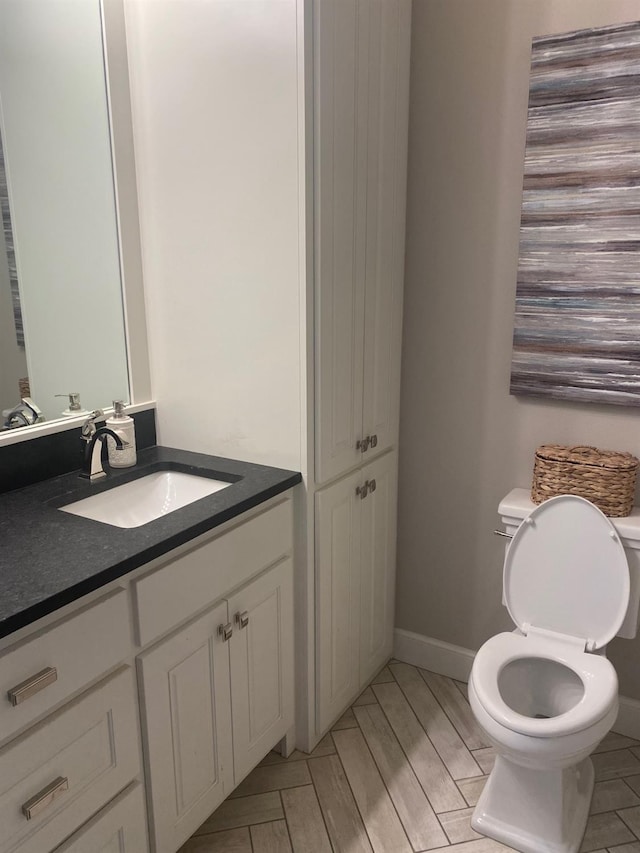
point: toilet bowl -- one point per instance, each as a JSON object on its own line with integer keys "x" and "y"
{"x": 545, "y": 695}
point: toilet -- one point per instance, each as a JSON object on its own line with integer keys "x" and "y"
{"x": 546, "y": 694}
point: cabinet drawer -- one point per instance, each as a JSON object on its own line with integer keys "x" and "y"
{"x": 185, "y": 586}
{"x": 46, "y": 668}
{"x": 68, "y": 767}
{"x": 119, "y": 828}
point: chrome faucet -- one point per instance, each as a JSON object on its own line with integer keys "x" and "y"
{"x": 92, "y": 437}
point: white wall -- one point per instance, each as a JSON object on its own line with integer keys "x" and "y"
{"x": 215, "y": 107}
{"x": 464, "y": 441}
{"x": 55, "y": 133}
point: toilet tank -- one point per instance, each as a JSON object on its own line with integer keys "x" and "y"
{"x": 518, "y": 504}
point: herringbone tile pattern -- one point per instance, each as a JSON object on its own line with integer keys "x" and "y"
{"x": 400, "y": 772}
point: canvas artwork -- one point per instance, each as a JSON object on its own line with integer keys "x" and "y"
{"x": 577, "y": 317}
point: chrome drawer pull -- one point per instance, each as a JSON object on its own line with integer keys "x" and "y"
{"x": 362, "y": 444}
{"x": 225, "y": 631}
{"x": 242, "y": 619}
{"x": 363, "y": 491}
{"x": 45, "y": 797}
{"x": 32, "y": 685}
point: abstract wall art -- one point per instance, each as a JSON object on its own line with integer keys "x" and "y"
{"x": 577, "y": 317}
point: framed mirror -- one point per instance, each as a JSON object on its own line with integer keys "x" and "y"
{"x": 69, "y": 213}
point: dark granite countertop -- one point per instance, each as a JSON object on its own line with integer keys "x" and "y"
{"x": 50, "y": 558}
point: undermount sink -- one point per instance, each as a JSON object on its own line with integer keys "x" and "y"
{"x": 141, "y": 501}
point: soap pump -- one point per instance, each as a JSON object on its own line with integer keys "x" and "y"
{"x": 123, "y": 425}
{"x": 75, "y": 410}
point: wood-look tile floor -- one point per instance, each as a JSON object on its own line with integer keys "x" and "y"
{"x": 400, "y": 772}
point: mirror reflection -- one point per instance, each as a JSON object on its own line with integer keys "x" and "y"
{"x": 62, "y": 339}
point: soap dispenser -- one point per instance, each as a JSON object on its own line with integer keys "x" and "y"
{"x": 75, "y": 409}
{"x": 123, "y": 425}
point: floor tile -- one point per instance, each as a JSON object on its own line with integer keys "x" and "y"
{"x": 457, "y": 825}
{"x": 271, "y": 837}
{"x": 229, "y": 841}
{"x": 632, "y": 847}
{"x": 418, "y": 818}
{"x": 604, "y": 830}
{"x": 455, "y": 755}
{"x": 457, "y": 709}
{"x": 634, "y": 783}
{"x": 344, "y": 824}
{"x": 380, "y": 818}
{"x": 346, "y": 721}
{"x": 615, "y": 741}
{"x": 274, "y": 777}
{"x": 613, "y": 765}
{"x": 612, "y": 795}
{"x": 304, "y": 819}
{"x": 481, "y": 845}
{"x": 472, "y": 788}
{"x": 632, "y": 819}
{"x": 243, "y": 812}
{"x": 463, "y": 687}
{"x": 486, "y": 758}
{"x": 383, "y": 676}
{"x": 425, "y": 761}
{"x": 365, "y": 698}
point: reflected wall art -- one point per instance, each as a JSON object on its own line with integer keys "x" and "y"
{"x": 577, "y": 318}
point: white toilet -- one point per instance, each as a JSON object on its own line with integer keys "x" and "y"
{"x": 546, "y": 694}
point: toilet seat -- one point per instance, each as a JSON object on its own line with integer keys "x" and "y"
{"x": 566, "y": 571}
{"x": 596, "y": 673}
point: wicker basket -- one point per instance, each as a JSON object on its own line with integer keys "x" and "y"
{"x": 607, "y": 478}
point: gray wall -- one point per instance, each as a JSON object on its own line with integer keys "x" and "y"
{"x": 464, "y": 441}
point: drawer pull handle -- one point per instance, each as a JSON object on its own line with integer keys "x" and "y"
{"x": 373, "y": 441}
{"x": 362, "y": 444}
{"x": 372, "y": 485}
{"x": 45, "y": 797}
{"x": 242, "y": 619}
{"x": 225, "y": 631}
{"x": 363, "y": 491}
{"x": 32, "y": 685}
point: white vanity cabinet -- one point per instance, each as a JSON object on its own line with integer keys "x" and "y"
{"x": 159, "y": 692}
{"x": 355, "y": 537}
{"x": 217, "y": 696}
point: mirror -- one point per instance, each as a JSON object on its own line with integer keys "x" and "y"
{"x": 61, "y": 308}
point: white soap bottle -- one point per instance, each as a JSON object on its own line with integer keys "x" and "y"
{"x": 124, "y": 427}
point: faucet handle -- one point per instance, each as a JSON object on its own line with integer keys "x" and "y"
{"x": 89, "y": 426}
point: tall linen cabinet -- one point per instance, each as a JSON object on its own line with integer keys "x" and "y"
{"x": 360, "y": 122}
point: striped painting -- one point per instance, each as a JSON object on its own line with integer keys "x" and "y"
{"x": 577, "y": 318}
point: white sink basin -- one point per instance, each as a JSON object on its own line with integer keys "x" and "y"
{"x": 143, "y": 500}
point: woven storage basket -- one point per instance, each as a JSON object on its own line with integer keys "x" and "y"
{"x": 607, "y": 478}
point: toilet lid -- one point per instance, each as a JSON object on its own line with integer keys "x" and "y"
{"x": 566, "y": 571}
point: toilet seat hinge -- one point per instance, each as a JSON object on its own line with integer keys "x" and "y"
{"x": 557, "y": 637}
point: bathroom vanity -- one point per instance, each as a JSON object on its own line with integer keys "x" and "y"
{"x": 151, "y": 665}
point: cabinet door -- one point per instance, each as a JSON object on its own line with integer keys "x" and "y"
{"x": 338, "y": 596}
{"x": 377, "y": 565}
{"x": 187, "y": 729}
{"x": 261, "y": 654}
{"x": 386, "y": 157}
{"x": 340, "y": 231}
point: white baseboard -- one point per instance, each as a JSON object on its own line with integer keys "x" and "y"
{"x": 434, "y": 655}
{"x": 456, "y": 661}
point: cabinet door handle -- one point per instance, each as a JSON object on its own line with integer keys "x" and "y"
{"x": 363, "y": 490}
{"x": 32, "y": 685}
{"x": 45, "y": 797}
{"x": 372, "y": 485}
{"x": 225, "y": 631}
{"x": 373, "y": 441}
{"x": 242, "y": 619}
{"x": 362, "y": 444}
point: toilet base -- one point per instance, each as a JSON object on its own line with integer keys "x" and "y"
{"x": 535, "y": 811}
